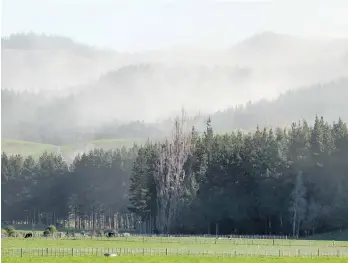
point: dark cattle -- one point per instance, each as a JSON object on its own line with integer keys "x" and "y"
{"x": 110, "y": 234}
{"x": 27, "y": 235}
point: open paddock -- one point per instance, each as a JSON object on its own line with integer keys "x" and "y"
{"x": 192, "y": 242}
{"x": 171, "y": 259}
{"x": 146, "y": 245}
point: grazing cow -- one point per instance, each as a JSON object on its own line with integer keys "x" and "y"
{"x": 27, "y": 235}
{"x": 110, "y": 234}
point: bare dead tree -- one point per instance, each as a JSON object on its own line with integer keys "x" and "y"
{"x": 298, "y": 204}
{"x": 170, "y": 176}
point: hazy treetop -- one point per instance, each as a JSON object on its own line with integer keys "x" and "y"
{"x": 138, "y": 25}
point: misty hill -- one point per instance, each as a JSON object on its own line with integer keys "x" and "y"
{"x": 33, "y": 41}
{"x": 273, "y": 49}
{"x": 39, "y": 62}
{"x": 277, "y": 62}
{"x": 280, "y": 62}
{"x": 262, "y": 66}
{"x": 149, "y": 91}
{"x": 329, "y": 100}
{"x": 114, "y": 92}
{"x": 54, "y": 121}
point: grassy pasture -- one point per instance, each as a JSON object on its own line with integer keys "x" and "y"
{"x": 169, "y": 259}
{"x": 187, "y": 244}
{"x": 171, "y": 242}
{"x": 39, "y": 249}
{"x": 26, "y": 148}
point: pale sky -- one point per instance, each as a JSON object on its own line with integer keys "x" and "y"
{"x": 130, "y": 25}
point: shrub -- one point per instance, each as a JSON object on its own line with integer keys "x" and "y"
{"x": 9, "y": 231}
{"x": 51, "y": 229}
{"x": 106, "y": 231}
{"x": 46, "y": 233}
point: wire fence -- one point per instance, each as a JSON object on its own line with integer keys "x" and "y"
{"x": 71, "y": 252}
{"x": 88, "y": 233}
{"x": 217, "y": 236}
{"x": 237, "y": 240}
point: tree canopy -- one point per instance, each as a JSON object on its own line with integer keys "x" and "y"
{"x": 271, "y": 181}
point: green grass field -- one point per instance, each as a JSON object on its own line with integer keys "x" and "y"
{"x": 40, "y": 249}
{"x": 158, "y": 259}
{"x": 36, "y": 149}
{"x": 168, "y": 242}
{"x": 25, "y": 148}
{"x": 235, "y": 246}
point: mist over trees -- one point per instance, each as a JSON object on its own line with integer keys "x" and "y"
{"x": 226, "y": 172}
{"x": 34, "y": 117}
{"x": 258, "y": 67}
{"x": 272, "y": 181}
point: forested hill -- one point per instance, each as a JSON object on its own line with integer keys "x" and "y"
{"x": 327, "y": 100}
{"x": 35, "y": 118}
{"x": 271, "y": 181}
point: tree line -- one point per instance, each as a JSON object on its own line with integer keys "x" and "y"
{"x": 290, "y": 181}
{"x": 89, "y": 193}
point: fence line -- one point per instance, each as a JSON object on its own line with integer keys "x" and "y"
{"x": 218, "y": 236}
{"x": 203, "y": 240}
{"x": 64, "y": 252}
{"x": 78, "y": 232}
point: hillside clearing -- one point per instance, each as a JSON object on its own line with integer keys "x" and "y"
{"x": 25, "y": 148}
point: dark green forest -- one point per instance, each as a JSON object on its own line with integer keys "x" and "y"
{"x": 270, "y": 181}
{"x": 34, "y": 117}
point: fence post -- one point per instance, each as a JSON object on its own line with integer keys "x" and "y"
{"x": 21, "y": 252}
{"x": 318, "y": 252}
{"x": 72, "y": 252}
{"x": 166, "y": 251}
